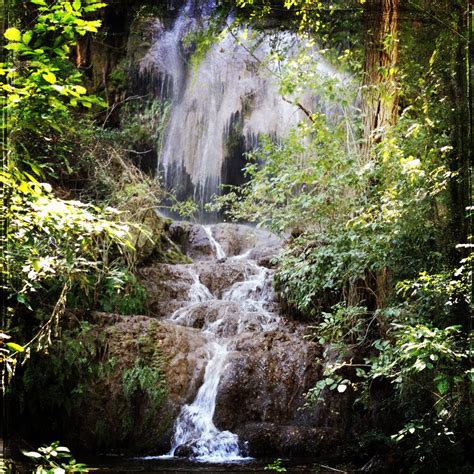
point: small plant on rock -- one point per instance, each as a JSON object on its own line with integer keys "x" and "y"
{"x": 55, "y": 459}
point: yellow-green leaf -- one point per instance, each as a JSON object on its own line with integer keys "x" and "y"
{"x": 50, "y": 77}
{"x": 26, "y": 38}
{"x": 13, "y": 34}
{"x": 80, "y": 89}
{"x": 15, "y": 347}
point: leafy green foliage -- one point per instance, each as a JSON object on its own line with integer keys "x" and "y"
{"x": 370, "y": 253}
{"x": 275, "y": 466}
{"x": 40, "y": 82}
{"x": 186, "y": 209}
{"x": 55, "y": 249}
{"x": 55, "y": 459}
{"x": 144, "y": 379}
{"x": 122, "y": 293}
{"x": 73, "y": 366}
{"x": 52, "y": 239}
{"x": 144, "y": 121}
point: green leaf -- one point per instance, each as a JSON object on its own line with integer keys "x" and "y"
{"x": 442, "y": 386}
{"x": 80, "y": 89}
{"x": 50, "y": 77}
{"x": 94, "y": 7}
{"x": 15, "y": 347}
{"x": 23, "y": 300}
{"x": 14, "y": 46}
{"x": 13, "y": 34}
{"x": 26, "y": 38}
{"x": 38, "y": 2}
{"x": 76, "y": 5}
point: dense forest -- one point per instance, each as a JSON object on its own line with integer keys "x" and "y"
{"x": 237, "y": 231}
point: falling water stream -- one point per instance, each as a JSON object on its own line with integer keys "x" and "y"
{"x": 222, "y": 104}
{"x": 195, "y": 434}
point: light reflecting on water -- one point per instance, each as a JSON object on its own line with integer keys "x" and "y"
{"x": 172, "y": 465}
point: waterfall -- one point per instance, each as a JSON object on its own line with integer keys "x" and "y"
{"x": 242, "y": 307}
{"x": 219, "y": 108}
{"x": 218, "y": 250}
{"x": 198, "y": 292}
{"x": 195, "y": 427}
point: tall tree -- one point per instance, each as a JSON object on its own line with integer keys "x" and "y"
{"x": 462, "y": 100}
{"x": 380, "y": 102}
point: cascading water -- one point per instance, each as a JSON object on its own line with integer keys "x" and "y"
{"x": 198, "y": 292}
{"x": 195, "y": 428}
{"x": 244, "y": 306}
{"x": 221, "y": 105}
{"x": 218, "y": 250}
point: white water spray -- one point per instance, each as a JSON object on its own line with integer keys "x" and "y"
{"x": 243, "y": 307}
{"x": 216, "y": 246}
{"x": 195, "y": 432}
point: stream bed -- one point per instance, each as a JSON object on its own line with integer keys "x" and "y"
{"x": 180, "y": 465}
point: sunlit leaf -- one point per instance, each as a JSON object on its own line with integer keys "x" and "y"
{"x": 12, "y": 34}
{"x": 32, "y": 454}
{"x": 27, "y": 36}
{"x": 50, "y": 77}
{"x": 341, "y": 388}
{"x": 15, "y": 347}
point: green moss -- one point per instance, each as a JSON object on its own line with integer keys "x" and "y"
{"x": 145, "y": 380}
{"x": 166, "y": 251}
{"x": 118, "y": 78}
{"x": 175, "y": 256}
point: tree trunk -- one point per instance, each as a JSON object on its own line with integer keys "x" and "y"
{"x": 380, "y": 90}
{"x": 462, "y": 100}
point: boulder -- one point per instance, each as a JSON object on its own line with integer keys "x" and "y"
{"x": 267, "y": 376}
{"x": 266, "y": 438}
{"x": 237, "y": 239}
{"x": 120, "y": 413}
{"x": 192, "y": 240}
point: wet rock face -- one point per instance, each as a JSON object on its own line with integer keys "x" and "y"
{"x": 114, "y": 419}
{"x": 168, "y": 286}
{"x": 266, "y": 379}
{"x": 266, "y": 438}
{"x": 235, "y": 239}
{"x": 192, "y": 239}
{"x": 224, "y": 318}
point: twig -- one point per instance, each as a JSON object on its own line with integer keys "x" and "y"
{"x": 110, "y": 110}
{"x": 301, "y": 107}
{"x": 331, "y": 468}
